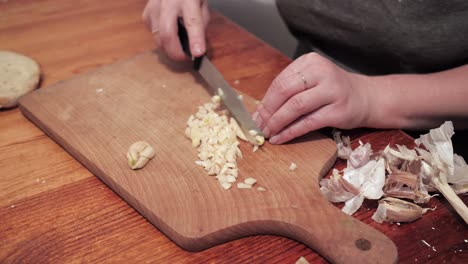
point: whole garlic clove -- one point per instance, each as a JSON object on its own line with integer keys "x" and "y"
{"x": 396, "y": 210}
{"x": 139, "y": 154}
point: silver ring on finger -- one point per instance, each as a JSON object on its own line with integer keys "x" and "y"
{"x": 155, "y": 31}
{"x": 303, "y": 79}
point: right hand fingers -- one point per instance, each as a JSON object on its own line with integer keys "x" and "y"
{"x": 162, "y": 15}
{"x": 193, "y": 21}
{"x": 169, "y": 12}
{"x": 151, "y": 18}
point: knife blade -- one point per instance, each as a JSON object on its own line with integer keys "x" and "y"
{"x": 216, "y": 80}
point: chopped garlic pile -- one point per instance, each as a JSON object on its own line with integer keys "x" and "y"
{"x": 399, "y": 173}
{"x": 215, "y": 135}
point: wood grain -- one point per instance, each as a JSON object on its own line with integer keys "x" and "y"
{"x": 79, "y": 219}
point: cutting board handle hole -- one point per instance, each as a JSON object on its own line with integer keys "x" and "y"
{"x": 363, "y": 244}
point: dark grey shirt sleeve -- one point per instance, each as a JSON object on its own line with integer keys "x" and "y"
{"x": 378, "y": 37}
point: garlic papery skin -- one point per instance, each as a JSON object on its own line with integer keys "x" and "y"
{"x": 139, "y": 153}
{"x": 336, "y": 189}
{"x": 359, "y": 156}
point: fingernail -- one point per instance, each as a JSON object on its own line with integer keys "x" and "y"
{"x": 275, "y": 139}
{"x": 266, "y": 132}
{"x": 258, "y": 119}
{"x": 197, "y": 49}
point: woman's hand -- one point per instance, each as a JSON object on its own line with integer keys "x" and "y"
{"x": 161, "y": 17}
{"x": 309, "y": 94}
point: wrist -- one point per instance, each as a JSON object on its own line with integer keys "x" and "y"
{"x": 381, "y": 97}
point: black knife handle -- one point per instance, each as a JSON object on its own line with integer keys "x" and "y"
{"x": 184, "y": 41}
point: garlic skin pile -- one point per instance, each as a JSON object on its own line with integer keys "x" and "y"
{"x": 355, "y": 185}
{"x": 399, "y": 173}
{"x": 215, "y": 135}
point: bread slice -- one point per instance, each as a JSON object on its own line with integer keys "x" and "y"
{"x": 18, "y": 76}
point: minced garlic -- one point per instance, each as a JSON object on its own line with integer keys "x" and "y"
{"x": 293, "y": 166}
{"x": 215, "y": 135}
{"x": 259, "y": 139}
{"x": 242, "y": 185}
{"x": 250, "y": 181}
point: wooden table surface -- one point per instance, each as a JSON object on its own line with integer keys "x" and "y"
{"x": 53, "y": 210}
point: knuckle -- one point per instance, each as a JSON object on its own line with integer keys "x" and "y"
{"x": 165, "y": 36}
{"x": 311, "y": 56}
{"x": 280, "y": 87}
{"x": 145, "y": 16}
{"x": 289, "y": 133}
{"x": 151, "y": 6}
{"x": 298, "y": 104}
{"x": 192, "y": 22}
{"x": 273, "y": 124}
{"x": 206, "y": 18}
{"x": 318, "y": 61}
{"x": 310, "y": 122}
{"x": 265, "y": 115}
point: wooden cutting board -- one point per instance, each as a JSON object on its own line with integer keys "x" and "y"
{"x": 96, "y": 116}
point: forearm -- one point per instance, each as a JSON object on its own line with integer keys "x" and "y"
{"x": 418, "y": 101}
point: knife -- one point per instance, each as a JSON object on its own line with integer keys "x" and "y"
{"x": 214, "y": 78}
